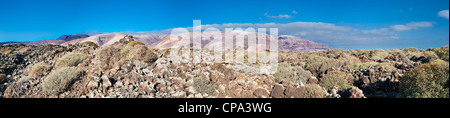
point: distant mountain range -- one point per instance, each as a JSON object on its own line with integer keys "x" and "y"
{"x": 285, "y": 42}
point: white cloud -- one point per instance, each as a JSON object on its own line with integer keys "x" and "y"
{"x": 294, "y": 12}
{"x": 279, "y": 16}
{"x": 443, "y": 14}
{"x": 398, "y": 28}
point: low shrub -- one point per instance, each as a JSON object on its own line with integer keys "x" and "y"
{"x": 338, "y": 79}
{"x": 284, "y": 71}
{"x": 39, "y": 69}
{"x": 315, "y": 91}
{"x": 388, "y": 67}
{"x": 442, "y": 53}
{"x": 134, "y": 43}
{"x": 373, "y": 54}
{"x": 301, "y": 75}
{"x": 203, "y": 85}
{"x": 429, "y": 80}
{"x": 107, "y": 56}
{"x": 71, "y": 59}
{"x": 137, "y": 51}
{"x": 318, "y": 64}
{"x": 378, "y": 54}
{"x": 348, "y": 62}
{"x": 89, "y": 43}
{"x": 59, "y": 80}
{"x": 366, "y": 65}
{"x": 411, "y": 52}
{"x": 335, "y": 52}
{"x": 430, "y": 55}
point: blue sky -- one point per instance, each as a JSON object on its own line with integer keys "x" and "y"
{"x": 346, "y": 24}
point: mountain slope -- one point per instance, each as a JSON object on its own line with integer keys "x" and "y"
{"x": 285, "y": 42}
{"x": 60, "y": 40}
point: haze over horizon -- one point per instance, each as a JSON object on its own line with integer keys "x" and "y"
{"x": 347, "y": 24}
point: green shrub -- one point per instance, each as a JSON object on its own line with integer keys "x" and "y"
{"x": 59, "y": 80}
{"x": 411, "y": 52}
{"x": 348, "y": 62}
{"x": 314, "y": 91}
{"x": 442, "y": 52}
{"x": 366, "y": 65}
{"x": 89, "y": 43}
{"x": 335, "y": 52}
{"x": 203, "y": 85}
{"x": 338, "y": 79}
{"x": 318, "y": 64}
{"x": 430, "y": 55}
{"x": 39, "y": 69}
{"x": 429, "y": 80}
{"x": 373, "y": 54}
{"x": 285, "y": 70}
{"x": 71, "y": 59}
{"x": 388, "y": 67}
{"x": 301, "y": 75}
{"x": 378, "y": 54}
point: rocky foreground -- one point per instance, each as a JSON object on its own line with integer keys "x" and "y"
{"x": 129, "y": 69}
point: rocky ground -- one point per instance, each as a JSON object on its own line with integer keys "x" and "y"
{"x": 164, "y": 79}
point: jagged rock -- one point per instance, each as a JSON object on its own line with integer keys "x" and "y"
{"x": 355, "y": 92}
{"x": 277, "y": 91}
{"x": 295, "y": 92}
{"x": 261, "y": 93}
{"x": 312, "y": 80}
{"x": 366, "y": 81}
{"x": 92, "y": 84}
{"x": 286, "y": 82}
{"x": 334, "y": 93}
{"x": 106, "y": 83}
{"x": 364, "y": 59}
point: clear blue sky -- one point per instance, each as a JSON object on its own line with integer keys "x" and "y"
{"x": 31, "y": 20}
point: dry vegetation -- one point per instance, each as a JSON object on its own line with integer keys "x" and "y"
{"x": 71, "y": 59}
{"x": 442, "y": 53}
{"x": 338, "y": 79}
{"x": 89, "y": 43}
{"x": 203, "y": 86}
{"x": 109, "y": 55}
{"x": 59, "y": 80}
{"x": 429, "y": 80}
{"x": 319, "y": 64}
{"x": 284, "y": 71}
{"x": 295, "y": 75}
{"x": 388, "y": 67}
{"x": 39, "y": 69}
{"x": 315, "y": 91}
